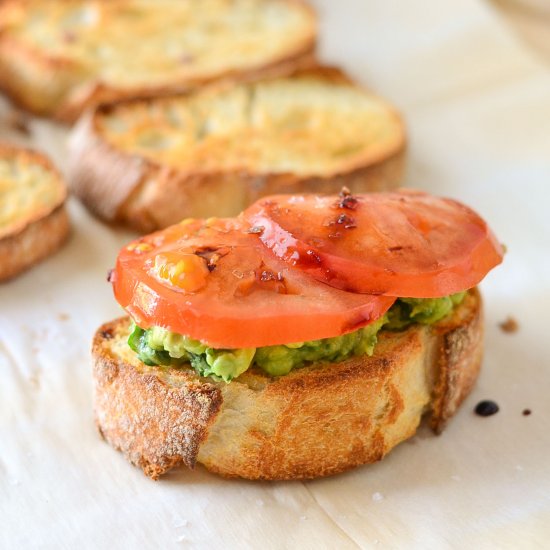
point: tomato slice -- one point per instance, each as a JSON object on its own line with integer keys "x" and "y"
{"x": 406, "y": 243}
{"x": 246, "y": 297}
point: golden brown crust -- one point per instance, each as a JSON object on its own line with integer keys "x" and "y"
{"x": 126, "y": 188}
{"x": 459, "y": 360}
{"x": 32, "y": 82}
{"x": 34, "y": 243}
{"x": 33, "y": 235}
{"x": 98, "y": 175}
{"x": 60, "y": 87}
{"x": 316, "y": 421}
{"x": 158, "y": 421}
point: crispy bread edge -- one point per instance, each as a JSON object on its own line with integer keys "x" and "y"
{"x": 459, "y": 360}
{"x": 32, "y": 81}
{"x": 34, "y": 243}
{"x": 100, "y": 177}
{"x": 157, "y": 424}
{"x": 164, "y": 196}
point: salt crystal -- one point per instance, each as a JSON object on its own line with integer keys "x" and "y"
{"x": 377, "y": 497}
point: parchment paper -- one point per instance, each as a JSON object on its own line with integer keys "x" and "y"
{"x": 477, "y": 103}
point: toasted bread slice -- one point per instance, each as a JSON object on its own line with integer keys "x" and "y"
{"x": 59, "y": 58}
{"x": 152, "y": 163}
{"x": 33, "y": 218}
{"x": 316, "y": 421}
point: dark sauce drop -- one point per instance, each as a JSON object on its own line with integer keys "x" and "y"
{"x": 486, "y": 408}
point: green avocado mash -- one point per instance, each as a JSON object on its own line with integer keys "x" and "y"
{"x": 158, "y": 346}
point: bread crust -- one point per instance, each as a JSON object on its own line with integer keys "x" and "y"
{"x": 129, "y": 189}
{"x": 157, "y": 418}
{"x": 316, "y": 421}
{"x": 59, "y": 87}
{"x": 38, "y": 234}
{"x": 31, "y": 82}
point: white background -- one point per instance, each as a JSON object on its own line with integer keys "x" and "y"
{"x": 477, "y": 105}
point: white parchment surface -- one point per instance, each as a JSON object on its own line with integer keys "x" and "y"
{"x": 477, "y": 104}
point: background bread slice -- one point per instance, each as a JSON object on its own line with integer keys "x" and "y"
{"x": 33, "y": 218}
{"x": 151, "y": 163}
{"x": 316, "y": 421}
{"x": 59, "y": 58}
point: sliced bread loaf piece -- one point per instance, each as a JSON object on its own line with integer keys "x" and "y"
{"x": 150, "y": 163}
{"x": 33, "y": 218}
{"x": 58, "y": 58}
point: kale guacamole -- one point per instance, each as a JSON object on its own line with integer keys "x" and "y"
{"x": 158, "y": 346}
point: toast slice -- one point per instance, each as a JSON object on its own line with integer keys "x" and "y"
{"x": 59, "y": 58}
{"x": 316, "y": 421}
{"x": 33, "y": 217}
{"x": 151, "y": 163}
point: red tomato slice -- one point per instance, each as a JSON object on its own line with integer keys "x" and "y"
{"x": 245, "y": 298}
{"x": 406, "y": 244}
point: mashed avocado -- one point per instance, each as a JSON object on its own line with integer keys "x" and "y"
{"x": 158, "y": 346}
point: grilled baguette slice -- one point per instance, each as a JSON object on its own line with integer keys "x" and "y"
{"x": 152, "y": 163}
{"x": 59, "y": 58}
{"x": 33, "y": 218}
{"x": 316, "y": 421}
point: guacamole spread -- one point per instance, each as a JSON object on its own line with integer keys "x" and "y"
{"x": 158, "y": 346}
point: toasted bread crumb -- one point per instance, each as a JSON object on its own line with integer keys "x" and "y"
{"x": 510, "y": 325}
